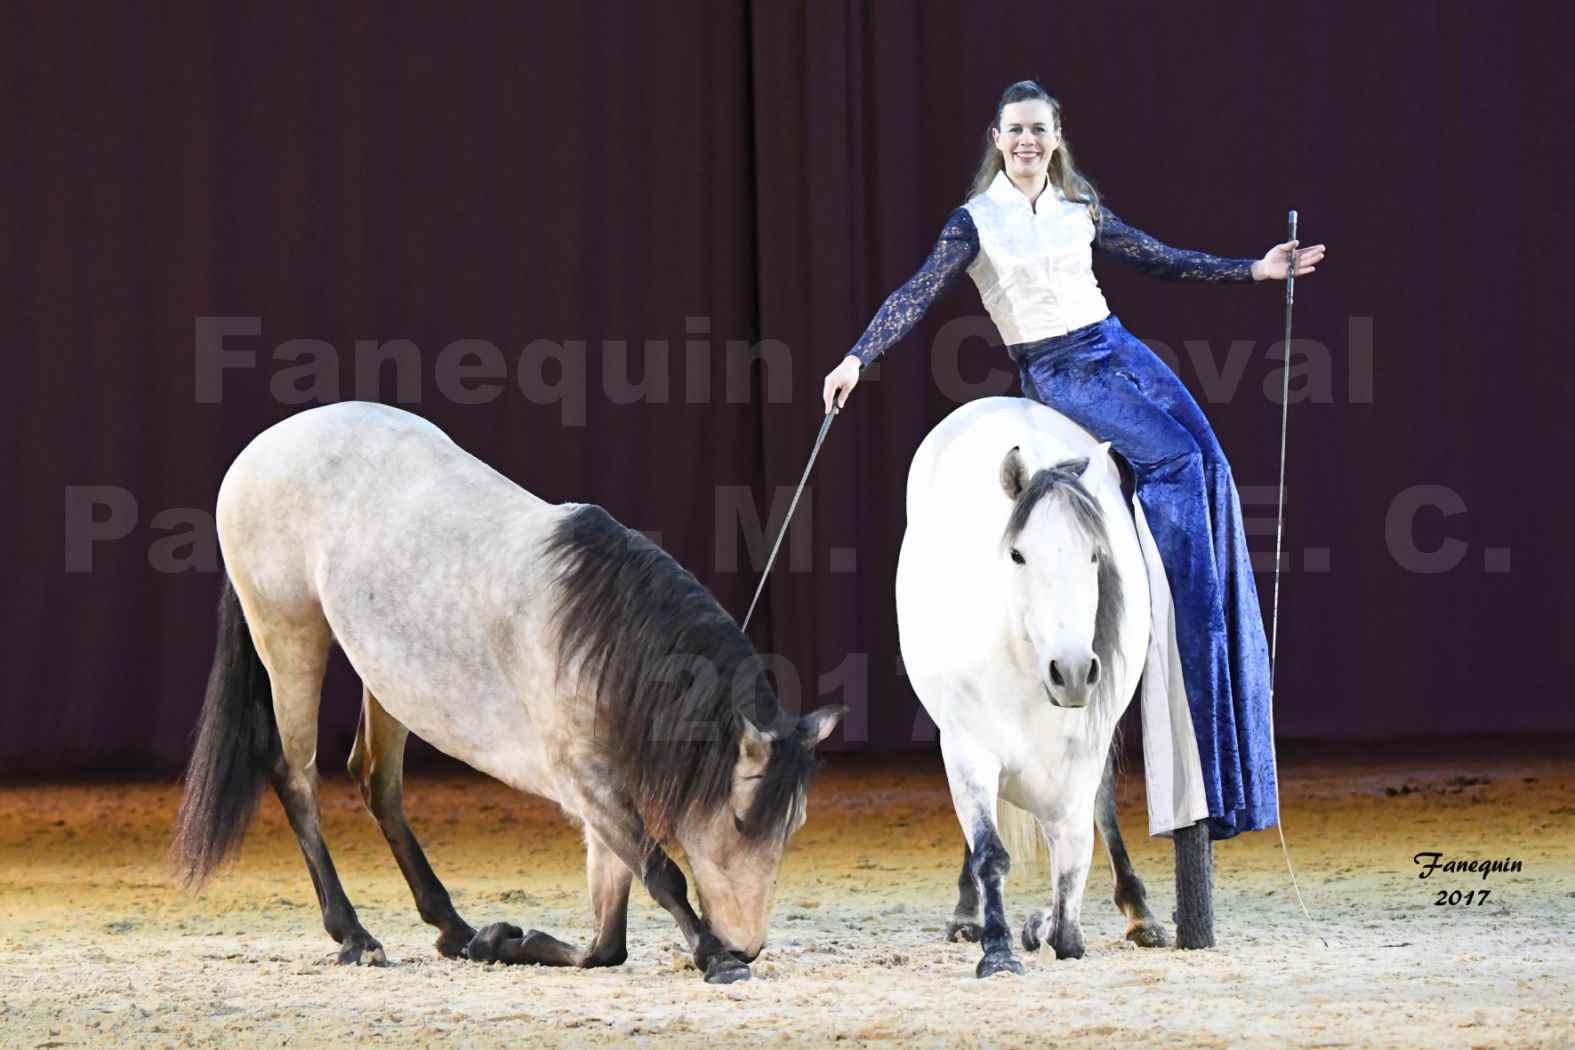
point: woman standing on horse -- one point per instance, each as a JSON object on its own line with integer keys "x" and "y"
{"x": 1026, "y": 235}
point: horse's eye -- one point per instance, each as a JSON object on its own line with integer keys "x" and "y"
{"x": 1017, "y": 556}
{"x": 1095, "y": 557}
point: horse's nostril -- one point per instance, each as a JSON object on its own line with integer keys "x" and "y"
{"x": 1093, "y": 670}
{"x": 1055, "y": 674}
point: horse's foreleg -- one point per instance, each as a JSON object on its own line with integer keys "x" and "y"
{"x": 615, "y": 850}
{"x": 620, "y": 830}
{"x": 668, "y": 888}
{"x": 1071, "y": 842}
{"x": 1194, "y": 887}
{"x": 974, "y": 778}
{"x": 1142, "y": 928}
{"x": 610, "y": 879}
{"x": 506, "y": 943}
{"x": 965, "y": 917}
{"x": 377, "y": 765}
{"x": 296, "y": 658}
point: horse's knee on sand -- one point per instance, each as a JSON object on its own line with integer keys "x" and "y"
{"x": 503, "y": 942}
{"x": 491, "y": 943}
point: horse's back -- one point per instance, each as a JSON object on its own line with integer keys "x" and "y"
{"x": 959, "y": 456}
{"x": 423, "y": 562}
{"x": 354, "y": 468}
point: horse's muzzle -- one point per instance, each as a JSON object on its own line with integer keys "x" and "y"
{"x": 1075, "y": 700}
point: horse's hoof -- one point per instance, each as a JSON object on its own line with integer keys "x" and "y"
{"x": 726, "y": 968}
{"x": 1070, "y": 945}
{"x": 1036, "y": 929}
{"x": 361, "y": 949}
{"x": 964, "y": 931}
{"x": 453, "y": 944}
{"x": 483, "y": 947}
{"x": 998, "y": 962}
{"x": 1148, "y": 935}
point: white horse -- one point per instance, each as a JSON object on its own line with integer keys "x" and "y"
{"x": 1023, "y": 610}
{"x": 543, "y": 644}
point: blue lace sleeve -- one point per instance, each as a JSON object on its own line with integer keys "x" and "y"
{"x": 954, "y": 251}
{"x": 1137, "y": 249}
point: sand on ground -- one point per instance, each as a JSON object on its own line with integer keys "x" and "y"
{"x": 99, "y": 948}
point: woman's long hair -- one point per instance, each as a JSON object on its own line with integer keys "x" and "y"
{"x": 1063, "y": 170}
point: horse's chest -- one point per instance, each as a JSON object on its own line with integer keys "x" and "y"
{"x": 1057, "y": 781}
{"x": 1049, "y": 756}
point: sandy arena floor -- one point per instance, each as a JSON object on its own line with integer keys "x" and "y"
{"x": 97, "y": 948}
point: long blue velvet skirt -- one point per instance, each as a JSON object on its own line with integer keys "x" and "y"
{"x": 1113, "y": 385}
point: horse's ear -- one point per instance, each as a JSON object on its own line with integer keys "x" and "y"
{"x": 1100, "y": 467}
{"x": 754, "y": 744}
{"x": 1014, "y": 473}
{"x": 816, "y": 726}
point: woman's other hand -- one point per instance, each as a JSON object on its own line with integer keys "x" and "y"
{"x": 840, "y": 382}
{"x": 1277, "y": 263}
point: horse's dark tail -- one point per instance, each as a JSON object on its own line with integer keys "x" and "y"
{"x": 237, "y": 747}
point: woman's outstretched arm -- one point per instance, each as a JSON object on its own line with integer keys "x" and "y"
{"x": 954, "y": 251}
{"x": 1137, "y": 249}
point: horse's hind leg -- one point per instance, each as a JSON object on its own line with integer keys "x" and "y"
{"x": 377, "y": 763}
{"x": 965, "y": 917}
{"x": 295, "y": 652}
{"x": 1143, "y": 929}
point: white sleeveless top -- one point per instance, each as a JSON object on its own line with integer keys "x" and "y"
{"x": 1035, "y": 267}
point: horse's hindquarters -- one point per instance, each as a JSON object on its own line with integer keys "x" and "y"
{"x": 420, "y": 560}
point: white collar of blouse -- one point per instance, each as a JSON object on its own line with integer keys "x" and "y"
{"x": 1006, "y": 191}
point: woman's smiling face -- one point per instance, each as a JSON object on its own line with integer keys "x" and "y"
{"x": 1026, "y": 137}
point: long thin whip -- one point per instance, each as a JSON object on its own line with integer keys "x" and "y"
{"x": 1279, "y": 531}
{"x": 819, "y": 439}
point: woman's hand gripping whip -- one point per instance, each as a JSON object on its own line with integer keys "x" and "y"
{"x": 821, "y": 437}
{"x": 1279, "y": 531}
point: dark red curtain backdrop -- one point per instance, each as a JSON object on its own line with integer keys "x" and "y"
{"x": 711, "y": 177}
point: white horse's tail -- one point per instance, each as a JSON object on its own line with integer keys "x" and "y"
{"x": 1019, "y": 831}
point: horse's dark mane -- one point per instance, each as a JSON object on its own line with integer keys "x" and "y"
{"x": 661, "y": 658}
{"x": 1064, "y": 481}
